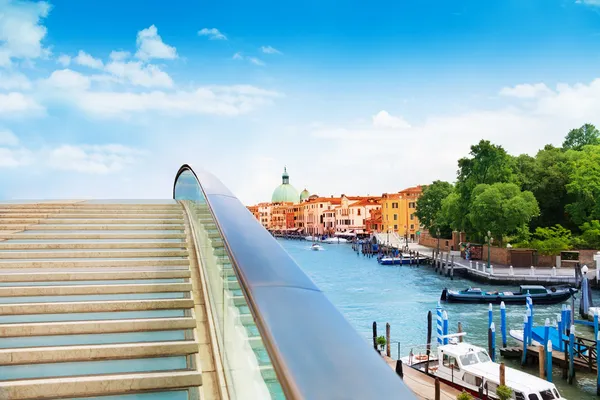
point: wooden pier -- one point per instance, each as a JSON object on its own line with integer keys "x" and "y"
{"x": 581, "y": 361}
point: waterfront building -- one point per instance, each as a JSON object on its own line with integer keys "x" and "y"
{"x": 285, "y": 193}
{"x": 398, "y": 212}
{"x": 314, "y": 212}
{"x": 374, "y": 222}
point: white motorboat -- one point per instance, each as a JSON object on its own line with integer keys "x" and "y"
{"x": 469, "y": 367}
{"x": 316, "y": 247}
{"x": 335, "y": 240}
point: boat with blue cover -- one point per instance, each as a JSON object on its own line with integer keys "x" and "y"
{"x": 403, "y": 259}
{"x": 539, "y": 295}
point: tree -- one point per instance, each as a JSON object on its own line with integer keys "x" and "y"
{"x": 429, "y": 206}
{"x": 501, "y": 208}
{"x": 551, "y": 241}
{"x": 449, "y": 214}
{"x": 464, "y": 396}
{"x": 488, "y": 164}
{"x": 585, "y": 186}
{"x": 504, "y": 392}
{"x": 590, "y": 236}
{"x": 586, "y": 135}
{"x": 381, "y": 342}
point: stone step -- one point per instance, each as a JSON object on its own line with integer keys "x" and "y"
{"x": 28, "y": 255}
{"x": 92, "y": 236}
{"x": 91, "y": 264}
{"x": 40, "y": 355}
{"x": 91, "y": 327}
{"x": 88, "y": 276}
{"x": 95, "y": 306}
{"x": 80, "y": 215}
{"x": 91, "y": 245}
{"x": 70, "y": 290}
{"x": 98, "y": 385}
{"x": 103, "y": 227}
{"x": 82, "y": 221}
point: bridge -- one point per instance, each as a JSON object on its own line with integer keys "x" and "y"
{"x": 182, "y": 298}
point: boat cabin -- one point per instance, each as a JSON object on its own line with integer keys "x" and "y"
{"x": 532, "y": 289}
{"x": 468, "y": 366}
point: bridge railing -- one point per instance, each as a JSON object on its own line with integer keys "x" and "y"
{"x": 277, "y": 330}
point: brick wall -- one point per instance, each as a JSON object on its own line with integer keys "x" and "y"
{"x": 426, "y": 239}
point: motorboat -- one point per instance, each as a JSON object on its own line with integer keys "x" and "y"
{"x": 334, "y": 240}
{"x": 468, "y": 367}
{"x": 316, "y": 247}
{"x": 538, "y": 294}
{"x": 405, "y": 259}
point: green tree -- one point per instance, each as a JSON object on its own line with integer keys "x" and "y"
{"x": 551, "y": 241}
{"x": 488, "y": 164}
{"x": 464, "y": 396}
{"x": 504, "y": 392}
{"x": 586, "y": 135}
{"x": 429, "y": 206}
{"x": 501, "y": 208}
{"x": 449, "y": 214}
{"x": 590, "y": 235}
{"x": 585, "y": 186}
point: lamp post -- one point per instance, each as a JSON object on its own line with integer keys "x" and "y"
{"x": 489, "y": 242}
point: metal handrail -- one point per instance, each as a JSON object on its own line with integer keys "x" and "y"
{"x": 315, "y": 352}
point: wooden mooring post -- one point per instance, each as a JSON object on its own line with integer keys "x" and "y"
{"x": 437, "y": 389}
{"x": 429, "y": 328}
{"x": 542, "y": 360}
{"x": 375, "y": 335}
{"x": 388, "y": 350}
{"x": 459, "y": 330}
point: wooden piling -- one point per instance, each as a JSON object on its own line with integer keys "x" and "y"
{"x": 542, "y": 361}
{"x": 388, "y": 350}
{"x": 375, "y": 335}
{"x": 429, "y": 328}
{"x": 502, "y": 374}
{"x": 399, "y": 370}
{"x": 437, "y": 389}
{"x": 459, "y": 330}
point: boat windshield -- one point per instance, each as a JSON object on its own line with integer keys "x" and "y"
{"x": 483, "y": 356}
{"x": 547, "y": 395}
{"x": 469, "y": 359}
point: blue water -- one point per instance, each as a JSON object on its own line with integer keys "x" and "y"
{"x": 365, "y": 291}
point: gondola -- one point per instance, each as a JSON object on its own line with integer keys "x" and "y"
{"x": 539, "y": 295}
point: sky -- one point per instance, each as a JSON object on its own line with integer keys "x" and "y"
{"x": 106, "y": 99}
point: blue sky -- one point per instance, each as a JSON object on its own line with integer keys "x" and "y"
{"x": 107, "y": 98}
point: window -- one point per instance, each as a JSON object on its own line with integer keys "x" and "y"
{"x": 468, "y": 359}
{"x": 533, "y": 396}
{"x": 518, "y": 396}
{"x": 395, "y": 227}
{"x": 412, "y": 226}
{"x": 472, "y": 379}
{"x": 450, "y": 362}
{"x": 491, "y": 387}
{"x": 358, "y": 211}
{"x": 412, "y": 216}
{"x": 394, "y": 205}
{"x": 395, "y": 217}
{"x": 556, "y": 394}
{"x": 321, "y": 205}
{"x": 483, "y": 356}
{"x": 386, "y": 205}
{"x": 547, "y": 394}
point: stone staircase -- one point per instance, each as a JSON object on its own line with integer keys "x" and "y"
{"x": 99, "y": 298}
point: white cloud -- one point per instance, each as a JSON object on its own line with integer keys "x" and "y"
{"x": 119, "y": 55}
{"x": 64, "y": 60}
{"x": 12, "y": 158}
{"x": 256, "y": 61}
{"x": 21, "y": 33}
{"x": 138, "y": 74}
{"x": 7, "y": 138}
{"x": 253, "y": 60}
{"x": 17, "y": 103}
{"x": 212, "y": 33}
{"x": 384, "y": 120}
{"x": 67, "y": 79}
{"x": 93, "y": 159}
{"x": 216, "y": 100}
{"x": 526, "y": 91}
{"x": 150, "y": 45}
{"x": 269, "y": 50}
{"x": 87, "y": 60}
{"x": 14, "y": 81}
{"x": 589, "y": 2}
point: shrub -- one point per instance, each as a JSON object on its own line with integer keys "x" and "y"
{"x": 464, "y": 396}
{"x": 381, "y": 342}
{"x": 504, "y": 392}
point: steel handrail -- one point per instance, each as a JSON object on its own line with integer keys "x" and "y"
{"x": 315, "y": 352}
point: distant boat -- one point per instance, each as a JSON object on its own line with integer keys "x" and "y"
{"x": 405, "y": 259}
{"x": 334, "y": 240}
{"x": 539, "y": 295}
{"x": 316, "y": 247}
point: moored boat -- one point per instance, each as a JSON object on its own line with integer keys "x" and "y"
{"x": 539, "y": 295}
{"x": 468, "y": 367}
{"x": 403, "y": 260}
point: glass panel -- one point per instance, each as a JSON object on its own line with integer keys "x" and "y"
{"x": 246, "y": 363}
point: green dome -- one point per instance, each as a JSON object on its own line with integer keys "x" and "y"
{"x": 285, "y": 192}
{"x": 304, "y": 195}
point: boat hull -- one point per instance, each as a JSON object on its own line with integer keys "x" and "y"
{"x": 400, "y": 261}
{"x": 549, "y": 298}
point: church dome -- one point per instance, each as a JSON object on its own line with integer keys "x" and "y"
{"x": 305, "y": 194}
{"x": 285, "y": 193}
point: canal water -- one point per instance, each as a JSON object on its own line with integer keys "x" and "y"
{"x": 365, "y": 291}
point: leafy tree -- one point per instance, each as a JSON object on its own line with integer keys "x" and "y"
{"x": 464, "y": 396}
{"x": 504, "y": 392}
{"x": 429, "y": 206}
{"x": 576, "y": 139}
{"x": 449, "y": 214}
{"x": 590, "y": 237}
{"x": 551, "y": 241}
{"x": 501, "y": 208}
{"x": 585, "y": 186}
{"x": 381, "y": 342}
{"x": 488, "y": 164}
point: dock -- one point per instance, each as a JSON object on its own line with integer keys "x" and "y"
{"x": 558, "y": 358}
{"x": 421, "y": 385}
